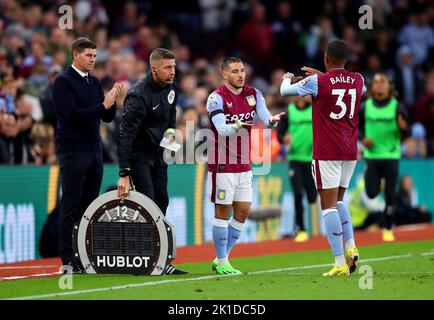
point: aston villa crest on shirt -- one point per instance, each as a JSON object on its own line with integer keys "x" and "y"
{"x": 251, "y": 101}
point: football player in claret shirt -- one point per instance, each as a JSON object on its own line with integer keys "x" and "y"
{"x": 336, "y": 96}
{"x": 232, "y": 108}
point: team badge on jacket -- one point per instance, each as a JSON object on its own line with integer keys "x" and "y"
{"x": 251, "y": 100}
{"x": 171, "y": 96}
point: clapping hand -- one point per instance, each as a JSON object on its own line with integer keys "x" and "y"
{"x": 112, "y": 95}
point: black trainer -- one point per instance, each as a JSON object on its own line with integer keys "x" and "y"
{"x": 172, "y": 270}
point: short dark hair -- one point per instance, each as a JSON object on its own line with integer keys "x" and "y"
{"x": 337, "y": 50}
{"x": 80, "y": 44}
{"x": 227, "y": 61}
{"x": 161, "y": 54}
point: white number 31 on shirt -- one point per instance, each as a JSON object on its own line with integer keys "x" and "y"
{"x": 339, "y": 102}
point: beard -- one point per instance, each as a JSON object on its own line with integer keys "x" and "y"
{"x": 164, "y": 81}
{"x": 236, "y": 85}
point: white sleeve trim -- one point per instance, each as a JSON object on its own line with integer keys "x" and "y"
{"x": 305, "y": 87}
{"x": 288, "y": 89}
{"x": 223, "y": 129}
{"x": 262, "y": 110}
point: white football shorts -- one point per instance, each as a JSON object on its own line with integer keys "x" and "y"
{"x": 329, "y": 174}
{"x": 227, "y": 187}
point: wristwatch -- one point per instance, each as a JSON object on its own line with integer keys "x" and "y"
{"x": 124, "y": 172}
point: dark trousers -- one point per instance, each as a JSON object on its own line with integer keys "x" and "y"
{"x": 81, "y": 176}
{"x": 151, "y": 180}
{"x": 411, "y": 217}
{"x": 300, "y": 177}
{"x": 375, "y": 171}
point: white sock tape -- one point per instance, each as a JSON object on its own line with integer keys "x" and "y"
{"x": 236, "y": 224}
{"x": 220, "y": 223}
{"x": 326, "y": 211}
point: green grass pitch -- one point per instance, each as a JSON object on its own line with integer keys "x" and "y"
{"x": 399, "y": 271}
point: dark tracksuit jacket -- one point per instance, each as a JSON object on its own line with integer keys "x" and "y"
{"x": 149, "y": 110}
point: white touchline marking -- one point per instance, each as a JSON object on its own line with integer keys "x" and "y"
{"x": 30, "y": 276}
{"x": 377, "y": 272}
{"x": 405, "y": 272}
{"x": 152, "y": 283}
{"x": 428, "y": 253}
{"x": 28, "y": 267}
{"x": 326, "y": 265}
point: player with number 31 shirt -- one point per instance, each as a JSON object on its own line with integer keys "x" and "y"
{"x": 336, "y": 96}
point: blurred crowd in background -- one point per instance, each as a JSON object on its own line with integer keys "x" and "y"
{"x": 272, "y": 37}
